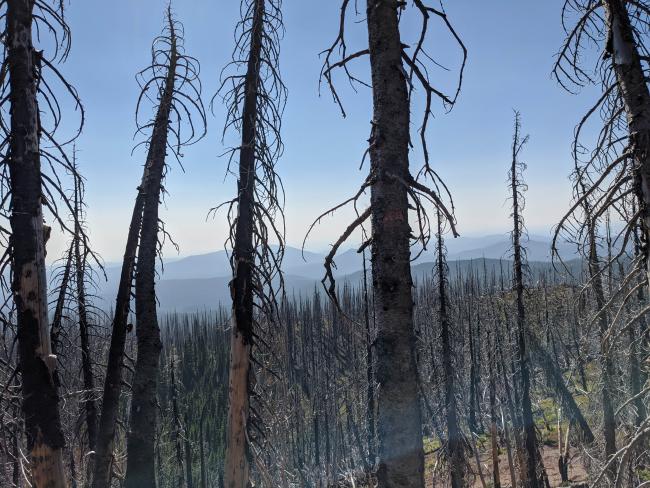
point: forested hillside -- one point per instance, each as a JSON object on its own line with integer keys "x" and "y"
{"x": 401, "y": 355}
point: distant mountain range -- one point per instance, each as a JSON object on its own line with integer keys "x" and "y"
{"x": 201, "y": 281}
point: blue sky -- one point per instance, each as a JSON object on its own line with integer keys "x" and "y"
{"x": 511, "y": 51}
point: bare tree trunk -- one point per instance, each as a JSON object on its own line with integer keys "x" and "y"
{"x": 57, "y": 319}
{"x": 204, "y": 476}
{"x": 140, "y": 469}
{"x": 370, "y": 373}
{"x": 511, "y": 463}
{"x": 455, "y": 447}
{"x": 237, "y": 469}
{"x": 401, "y": 457}
{"x": 167, "y": 54}
{"x": 90, "y": 407}
{"x": 188, "y": 456}
{"x": 45, "y": 440}
{"x": 113, "y": 380}
{"x": 494, "y": 435}
{"x": 633, "y": 89}
{"x": 178, "y": 430}
{"x": 605, "y": 359}
{"x": 531, "y": 479}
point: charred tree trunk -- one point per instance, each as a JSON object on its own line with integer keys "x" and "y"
{"x": 140, "y": 470}
{"x": 494, "y": 435}
{"x": 90, "y": 407}
{"x": 237, "y": 462}
{"x": 113, "y": 380}
{"x": 633, "y": 90}
{"x": 605, "y": 359}
{"x": 399, "y": 427}
{"x": 57, "y": 319}
{"x": 204, "y": 474}
{"x": 370, "y": 373}
{"x": 45, "y": 440}
{"x": 188, "y": 456}
{"x": 178, "y": 430}
{"x": 530, "y": 476}
{"x": 455, "y": 448}
{"x": 169, "y": 65}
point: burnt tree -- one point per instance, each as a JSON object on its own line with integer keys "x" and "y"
{"x": 255, "y": 101}
{"x": 175, "y": 76}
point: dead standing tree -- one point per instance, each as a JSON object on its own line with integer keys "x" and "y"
{"x": 613, "y": 176}
{"x": 174, "y": 76}
{"x": 616, "y": 170}
{"x": 82, "y": 270}
{"x": 78, "y": 273}
{"x": 530, "y": 474}
{"x": 32, "y": 161}
{"x": 396, "y": 71}
{"x": 457, "y": 461}
{"x": 255, "y": 101}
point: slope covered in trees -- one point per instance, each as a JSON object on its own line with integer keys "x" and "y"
{"x": 405, "y": 365}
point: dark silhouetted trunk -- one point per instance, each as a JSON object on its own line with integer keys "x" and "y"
{"x": 188, "y": 456}
{"x": 456, "y": 454}
{"x": 635, "y": 95}
{"x": 89, "y": 405}
{"x": 204, "y": 475}
{"x": 177, "y": 432}
{"x": 140, "y": 468}
{"x": 237, "y": 463}
{"x": 113, "y": 380}
{"x": 494, "y": 435}
{"x": 399, "y": 428}
{"x": 529, "y": 474}
{"x": 370, "y": 374}
{"x": 57, "y": 319}
{"x": 45, "y": 440}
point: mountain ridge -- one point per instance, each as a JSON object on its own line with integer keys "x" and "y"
{"x": 201, "y": 281}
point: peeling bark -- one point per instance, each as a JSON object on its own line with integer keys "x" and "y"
{"x": 45, "y": 440}
{"x": 236, "y": 466}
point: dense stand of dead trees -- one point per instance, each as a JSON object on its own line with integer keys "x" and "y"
{"x": 385, "y": 382}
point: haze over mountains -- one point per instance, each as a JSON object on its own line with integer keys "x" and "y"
{"x": 201, "y": 281}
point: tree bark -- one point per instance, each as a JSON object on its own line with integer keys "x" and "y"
{"x": 494, "y": 435}
{"x": 113, "y": 380}
{"x": 188, "y": 456}
{"x": 633, "y": 89}
{"x": 57, "y": 319}
{"x": 370, "y": 373}
{"x": 140, "y": 468}
{"x": 90, "y": 407}
{"x": 45, "y": 440}
{"x": 399, "y": 428}
{"x": 529, "y": 474}
{"x": 237, "y": 469}
{"x": 455, "y": 448}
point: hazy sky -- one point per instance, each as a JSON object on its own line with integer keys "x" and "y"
{"x": 511, "y": 51}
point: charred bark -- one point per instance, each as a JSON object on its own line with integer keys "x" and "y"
{"x": 113, "y": 379}
{"x": 456, "y": 452}
{"x": 237, "y": 462}
{"x": 90, "y": 408}
{"x": 633, "y": 90}
{"x": 140, "y": 470}
{"x": 45, "y": 440}
{"x": 530, "y": 476}
{"x": 255, "y": 102}
{"x": 399, "y": 427}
